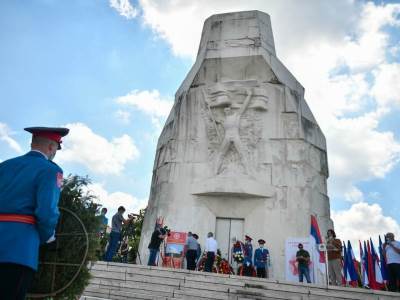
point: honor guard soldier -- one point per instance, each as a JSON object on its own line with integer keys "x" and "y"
{"x": 261, "y": 256}
{"x": 29, "y": 193}
{"x": 248, "y": 248}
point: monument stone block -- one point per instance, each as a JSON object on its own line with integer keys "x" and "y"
{"x": 240, "y": 146}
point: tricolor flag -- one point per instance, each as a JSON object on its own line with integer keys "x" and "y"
{"x": 352, "y": 266}
{"x": 318, "y": 257}
{"x": 371, "y": 268}
{"x": 377, "y": 268}
{"x": 346, "y": 275}
{"x": 316, "y": 235}
{"x": 384, "y": 270}
{"x": 364, "y": 275}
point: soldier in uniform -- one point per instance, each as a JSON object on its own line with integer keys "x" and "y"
{"x": 248, "y": 248}
{"x": 29, "y": 193}
{"x": 260, "y": 259}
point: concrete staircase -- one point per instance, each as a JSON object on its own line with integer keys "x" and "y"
{"x": 127, "y": 281}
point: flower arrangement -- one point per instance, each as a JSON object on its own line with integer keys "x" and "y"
{"x": 237, "y": 252}
{"x": 224, "y": 267}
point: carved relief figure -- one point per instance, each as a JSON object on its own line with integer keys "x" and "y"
{"x": 231, "y": 137}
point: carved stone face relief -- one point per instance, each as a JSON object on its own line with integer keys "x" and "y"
{"x": 233, "y": 112}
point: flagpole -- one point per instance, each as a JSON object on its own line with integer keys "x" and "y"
{"x": 326, "y": 267}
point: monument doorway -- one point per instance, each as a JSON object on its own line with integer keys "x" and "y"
{"x": 226, "y": 230}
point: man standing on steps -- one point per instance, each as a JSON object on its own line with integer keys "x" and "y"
{"x": 159, "y": 234}
{"x": 334, "y": 247}
{"x": 211, "y": 250}
{"x": 115, "y": 235}
{"x": 191, "y": 251}
{"x": 29, "y": 192}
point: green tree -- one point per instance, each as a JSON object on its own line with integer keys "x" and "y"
{"x": 65, "y": 261}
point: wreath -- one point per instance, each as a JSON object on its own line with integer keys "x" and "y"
{"x": 238, "y": 252}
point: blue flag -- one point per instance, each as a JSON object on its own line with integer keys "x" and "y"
{"x": 365, "y": 259}
{"x": 384, "y": 270}
{"x": 346, "y": 274}
{"x": 351, "y": 260}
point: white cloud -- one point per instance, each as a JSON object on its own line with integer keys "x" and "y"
{"x": 116, "y": 199}
{"x": 354, "y": 195}
{"x": 123, "y": 116}
{"x": 180, "y": 22}
{"x": 124, "y": 8}
{"x": 363, "y": 221}
{"x": 332, "y": 56}
{"x": 5, "y": 136}
{"x": 386, "y": 88}
{"x": 95, "y": 152}
{"x": 149, "y": 102}
{"x": 357, "y": 151}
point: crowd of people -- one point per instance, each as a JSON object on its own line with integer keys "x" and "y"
{"x": 256, "y": 262}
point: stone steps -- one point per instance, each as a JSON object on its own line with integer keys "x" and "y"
{"x": 127, "y": 281}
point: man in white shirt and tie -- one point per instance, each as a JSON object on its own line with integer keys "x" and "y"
{"x": 211, "y": 250}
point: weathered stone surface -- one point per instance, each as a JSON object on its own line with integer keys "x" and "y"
{"x": 164, "y": 283}
{"x": 240, "y": 143}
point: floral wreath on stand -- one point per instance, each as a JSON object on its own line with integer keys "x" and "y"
{"x": 221, "y": 265}
{"x": 238, "y": 252}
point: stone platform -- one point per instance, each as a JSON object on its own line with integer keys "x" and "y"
{"x": 127, "y": 281}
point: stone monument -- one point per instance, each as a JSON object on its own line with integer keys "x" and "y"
{"x": 241, "y": 152}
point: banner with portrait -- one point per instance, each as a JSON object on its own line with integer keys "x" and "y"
{"x": 291, "y": 265}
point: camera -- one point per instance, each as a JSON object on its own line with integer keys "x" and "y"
{"x": 165, "y": 230}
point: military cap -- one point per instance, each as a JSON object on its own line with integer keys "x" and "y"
{"x": 247, "y": 238}
{"x": 261, "y": 241}
{"x": 51, "y": 133}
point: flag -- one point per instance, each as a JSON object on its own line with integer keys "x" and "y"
{"x": 346, "y": 275}
{"x": 384, "y": 270}
{"x": 364, "y": 276}
{"x": 376, "y": 267}
{"x": 352, "y": 266}
{"x": 371, "y": 268}
{"x": 316, "y": 235}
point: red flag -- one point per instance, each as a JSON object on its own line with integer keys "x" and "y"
{"x": 371, "y": 274}
{"x": 316, "y": 234}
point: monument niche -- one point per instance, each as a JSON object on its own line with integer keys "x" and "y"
{"x": 241, "y": 152}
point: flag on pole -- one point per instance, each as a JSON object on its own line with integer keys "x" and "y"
{"x": 316, "y": 234}
{"x": 352, "y": 265}
{"x": 371, "y": 268}
{"x": 346, "y": 275}
{"x": 319, "y": 267}
{"x": 377, "y": 268}
{"x": 384, "y": 270}
{"x": 364, "y": 275}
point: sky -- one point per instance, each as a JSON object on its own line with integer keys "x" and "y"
{"x": 109, "y": 70}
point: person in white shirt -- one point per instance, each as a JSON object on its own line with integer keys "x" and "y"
{"x": 391, "y": 249}
{"x": 211, "y": 249}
